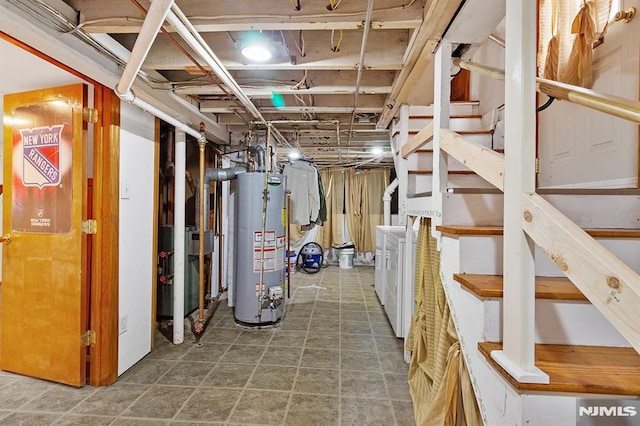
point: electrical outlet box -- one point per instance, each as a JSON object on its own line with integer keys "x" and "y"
{"x": 122, "y": 324}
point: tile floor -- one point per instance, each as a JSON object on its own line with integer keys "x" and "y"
{"x": 332, "y": 361}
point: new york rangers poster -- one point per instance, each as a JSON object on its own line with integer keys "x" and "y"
{"x": 42, "y": 166}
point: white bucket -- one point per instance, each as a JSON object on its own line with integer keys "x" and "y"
{"x": 293, "y": 257}
{"x": 346, "y": 258}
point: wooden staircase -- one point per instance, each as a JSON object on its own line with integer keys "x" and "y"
{"x": 572, "y": 368}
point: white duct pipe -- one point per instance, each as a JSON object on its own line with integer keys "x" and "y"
{"x": 179, "y": 254}
{"x": 386, "y": 199}
{"x": 182, "y": 25}
{"x": 150, "y": 27}
{"x": 152, "y": 23}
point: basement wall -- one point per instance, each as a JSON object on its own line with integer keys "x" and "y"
{"x": 136, "y": 260}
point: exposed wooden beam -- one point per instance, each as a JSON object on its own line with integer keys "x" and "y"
{"x": 482, "y": 160}
{"x": 226, "y": 107}
{"x": 417, "y": 141}
{"x": 257, "y": 93}
{"x": 119, "y": 16}
{"x": 385, "y": 51}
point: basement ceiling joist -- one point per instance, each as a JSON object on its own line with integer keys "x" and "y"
{"x": 328, "y": 71}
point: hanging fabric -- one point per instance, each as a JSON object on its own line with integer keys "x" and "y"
{"x": 553, "y": 50}
{"x": 308, "y": 204}
{"x": 579, "y": 70}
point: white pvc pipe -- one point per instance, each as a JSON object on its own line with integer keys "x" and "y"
{"x": 386, "y": 199}
{"x": 150, "y": 27}
{"x": 196, "y": 42}
{"x": 163, "y": 116}
{"x": 188, "y": 32}
{"x": 180, "y": 168}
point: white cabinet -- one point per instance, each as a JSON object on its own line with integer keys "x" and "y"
{"x": 394, "y": 280}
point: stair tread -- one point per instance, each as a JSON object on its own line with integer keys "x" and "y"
{"x": 451, "y": 172}
{"x": 460, "y": 132}
{"x": 428, "y": 150}
{"x": 557, "y": 288}
{"x": 571, "y": 369}
{"x": 430, "y": 117}
{"x": 498, "y": 230}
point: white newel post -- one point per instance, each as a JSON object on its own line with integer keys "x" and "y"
{"x": 517, "y": 356}
{"x": 178, "y": 237}
{"x": 441, "y": 115}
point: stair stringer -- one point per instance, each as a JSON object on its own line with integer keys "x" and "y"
{"x": 499, "y": 403}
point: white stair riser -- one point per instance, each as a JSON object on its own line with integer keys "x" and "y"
{"x": 483, "y": 255}
{"x": 455, "y": 123}
{"x": 417, "y": 184}
{"x": 479, "y": 138}
{"x": 473, "y": 209}
{"x": 558, "y": 322}
{"x": 455, "y": 109}
{"x": 598, "y": 211}
{"x": 424, "y": 161}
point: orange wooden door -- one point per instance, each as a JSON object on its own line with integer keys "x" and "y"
{"x": 44, "y": 276}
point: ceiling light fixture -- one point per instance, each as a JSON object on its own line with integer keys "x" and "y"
{"x": 256, "y": 52}
{"x": 294, "y": 155}
{"x": 376, "y": 150}
{"x": 255, "y": 47}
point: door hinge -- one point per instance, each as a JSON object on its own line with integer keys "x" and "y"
{"x": 88, "y": 338}
{"x": 90, "y": 115}
{"x": 90, "y": 226}
{"x": 537, "y": 165}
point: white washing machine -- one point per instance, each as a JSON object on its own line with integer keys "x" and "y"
{"x": 393, "y": 280}
{"x": 382, "y": 258}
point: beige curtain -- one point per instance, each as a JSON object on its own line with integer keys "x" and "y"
{"x": 353, "y": 206}
{"x": 364, "y": 206}
{"x": 331, "y": 232}
{"x": 376, "y": 182}
{"x": 576, "y": 24}
{"x": 439, "y": 382}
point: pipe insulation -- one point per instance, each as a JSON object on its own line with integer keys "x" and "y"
{"x": 152, "y": 23}
{"x": 190, "y": 35}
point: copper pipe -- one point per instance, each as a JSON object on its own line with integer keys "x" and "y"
{"x": 201, "y": 144}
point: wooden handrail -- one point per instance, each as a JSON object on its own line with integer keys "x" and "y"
{"x": 609, "y": 104}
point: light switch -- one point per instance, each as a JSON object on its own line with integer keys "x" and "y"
{"x": 125, "y": 189}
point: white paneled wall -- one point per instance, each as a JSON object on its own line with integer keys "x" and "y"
{"x": 137, "y": 261}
